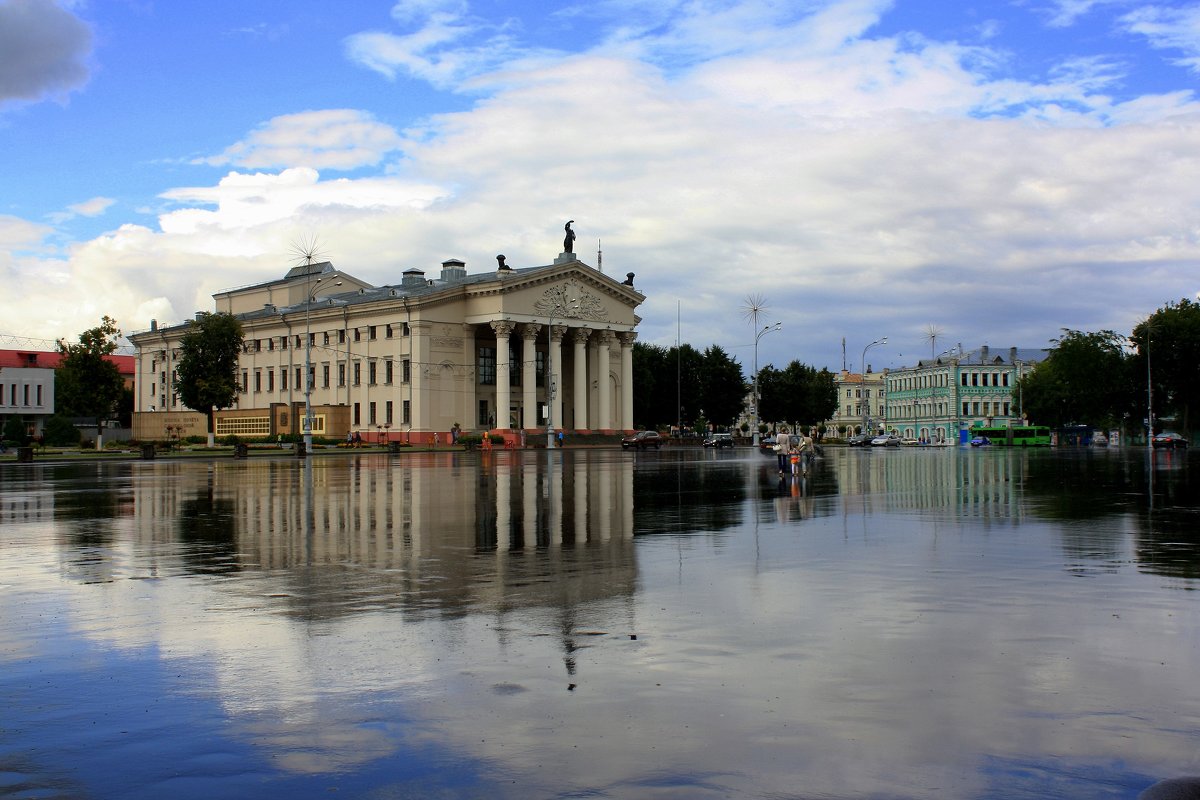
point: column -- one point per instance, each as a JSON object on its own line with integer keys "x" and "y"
{"x": 554, "y": 364}
{"x": 581, "y": 404}
{"x": 503, "y": 328}
{"x": 627, "y": 338}
{"x": 529, "y": 387}
{"x": 603, "y": 384}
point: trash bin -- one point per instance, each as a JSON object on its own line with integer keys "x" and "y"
{"x": 393, "y": 447}
{"x": 25, "y": 454}
{"x": 240, "y": 451}
{"x": 300, "y": 450}
{"x": 147, "y": 452}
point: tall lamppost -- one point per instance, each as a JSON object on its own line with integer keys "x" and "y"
{"x": 865, "y": 398}
{"x": 560, "y": 308}
{"x": 766, "y": 329}
{"x": 308, "y": 377}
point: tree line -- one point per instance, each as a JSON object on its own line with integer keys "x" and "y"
{"x": 684, "y": 386}
{"x": 1106, "y": 379}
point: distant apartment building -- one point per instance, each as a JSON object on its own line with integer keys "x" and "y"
{"x": 940, "y": 399}
{"x": 27, "y": 384}
{"x": 860, "y": 403}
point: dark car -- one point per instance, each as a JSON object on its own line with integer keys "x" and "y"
{"x": 1169, "y": 440}
{"x": 860, "y": 440}
{"x": 719, "y": 440}
{"x": 641, "y": 440}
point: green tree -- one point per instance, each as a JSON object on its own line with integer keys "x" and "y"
{"x": 722, "y": 388}
{"x": 86, "y": 382}
{"x": 208, "y": 363}
{"x": 1084, "y": 380}
{"x": 1171, "y": 336}
{"x": 15, "y": 431}
{"x": 798, "y": 394}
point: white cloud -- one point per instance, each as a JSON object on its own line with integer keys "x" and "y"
{"x": 44, "y": 50}
{"x": 342, "y": 139}
{"x": 1169, "y": 29}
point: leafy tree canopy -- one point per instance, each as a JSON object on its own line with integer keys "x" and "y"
{"x": 208, "y": 362}
{"x": 86, "y": 384}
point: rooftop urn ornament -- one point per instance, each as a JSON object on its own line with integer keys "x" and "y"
{"x": 502, "y": 266}
{"x": 569, "y": 238}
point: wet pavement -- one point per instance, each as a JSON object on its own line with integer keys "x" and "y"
{"x": 913, "y": 623}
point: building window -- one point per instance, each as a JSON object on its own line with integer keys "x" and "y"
{"x": 245, "y": 381}
{"x": 387, "y": 331}
{"x": 371, "y": 332}
{"x": 357, "y": 414}
{"x": 271, "y": 343}
{"x": 312, "y": 377}
{"x": 283, "y": 379}
{"x": 357, "y": 335}
{"x": 298, "y": 379}
{"x": 406, "y": 371}
{"x": 483, "y": 421}
{"x": 371, "y": 413}
{"x": 312, "y": 340}
{"x": 407, "y": 412}
{"x": 964, "y": 379}
{"x": 372, "y": 372}
{"x": 487, "y": 366}
{"x": 341, "y": 337}
{"x": 387, "y": 413}
{"x": 966, "y": 410}
{"x": 387, "y": 371}
{"x": 283, "y": 342}
{"x": 257, "y": 381}
{"x": 404, "y": 329}
{"x": 325, "y": 375}
{"x": 357, "y": 373}
{"x": 342, "y": 373}
{"x": 325, "y": 338}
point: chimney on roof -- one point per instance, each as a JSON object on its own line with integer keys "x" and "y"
{"x": 983, "y": 354}
{"x": 413, "y": 277}
{"x": 1012, "y": 355}
{"x": 268, "y": 306}
{"x": 501, "y": 266}
{"x": 153, "y": 325}
{"x": 453, "y": 270}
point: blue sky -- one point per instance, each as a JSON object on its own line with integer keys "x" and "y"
{"x": 993, "y": 171}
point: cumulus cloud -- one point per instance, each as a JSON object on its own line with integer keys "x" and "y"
{"x": 340, "y": 138}
{"x": 44, "y": 50}
{"x": 867, "y": 185}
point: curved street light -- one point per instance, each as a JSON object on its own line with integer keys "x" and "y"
{"x": 863, "y": 385}
{"x": 767, "y": 329}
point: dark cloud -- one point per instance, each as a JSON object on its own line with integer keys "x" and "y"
{"x": 43, "y": 50}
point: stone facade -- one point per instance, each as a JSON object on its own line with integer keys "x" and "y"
{"x": 410, "y": 361}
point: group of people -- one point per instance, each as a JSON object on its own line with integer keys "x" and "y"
{"x": 795, "y": 453}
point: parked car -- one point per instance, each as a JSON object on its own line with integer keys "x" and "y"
{"x": 860, "y": 439}
{"x": 886, "y": 440}
{"x": 980, "y": 441}
{"x": 719, "y": 440}
{"x": 909, "y": 441}
{"x": 641, "y": 440}
{"x": 1169, "y": 440}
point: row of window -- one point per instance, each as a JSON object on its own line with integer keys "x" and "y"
{"x": 941, "y": 379}
{"x": 19, "y": 394}
{"x": 372, "y": 376}
{"x": 371, "y": 331}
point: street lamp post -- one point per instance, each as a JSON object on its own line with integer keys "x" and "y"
{"x": 863, "y": 385}
{"x": 766, "y": 329}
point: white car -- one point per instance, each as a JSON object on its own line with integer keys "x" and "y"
{"x": 886, "y": 440}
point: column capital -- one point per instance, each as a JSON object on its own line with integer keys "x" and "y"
{"x": 581, "y": 334}
{"x": 605, "y": 336}
{"x": 503, "y": 327}
{"x": 557, "y": 332}
{"x": 627, "y": 337}
{"x": 530, "y": 330}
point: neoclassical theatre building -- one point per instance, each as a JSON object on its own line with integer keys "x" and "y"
{"x": 490, "y": 351}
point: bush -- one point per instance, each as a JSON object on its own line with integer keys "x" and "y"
{"x": 61, "y": 432}
{"x": 15, "y": 433}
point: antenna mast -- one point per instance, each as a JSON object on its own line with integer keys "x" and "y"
{"x": 599, "y": 257}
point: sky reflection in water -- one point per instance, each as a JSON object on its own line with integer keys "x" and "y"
{"x": 901, "y": 624}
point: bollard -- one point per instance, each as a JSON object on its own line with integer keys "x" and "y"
{"x": 240, "y": 451}
{"x": 300, "y": 450}
{"x": 25, "y": 455}
{"x": 147, "y": 452}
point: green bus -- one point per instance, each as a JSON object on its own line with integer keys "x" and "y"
{"x": 1016, "y": 436}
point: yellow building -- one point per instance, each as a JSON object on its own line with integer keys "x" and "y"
{"x": 408, "y": 362}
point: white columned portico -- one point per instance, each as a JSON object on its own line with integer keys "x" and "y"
{"x": 627, "y": 339}
{"x": 529, "y": 375}
{"x": 503, "y": 329}
{"x": 581, "y": 404}
{"x": 603, "y": 383}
